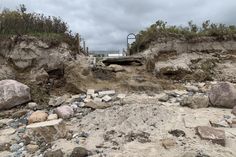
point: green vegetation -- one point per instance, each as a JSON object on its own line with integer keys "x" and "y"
{"x": 49, "y": 29}
{"x": 160, "y": 30}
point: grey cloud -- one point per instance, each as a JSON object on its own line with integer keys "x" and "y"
{"x": 105, "y": 23}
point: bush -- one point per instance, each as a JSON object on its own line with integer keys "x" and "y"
{"x": 160, "y": 30}
{"x": 51, "y": 29}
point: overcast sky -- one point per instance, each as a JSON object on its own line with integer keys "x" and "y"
{"x": 105, "y": 23}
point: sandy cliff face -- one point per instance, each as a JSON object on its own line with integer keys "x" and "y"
{"x": 200, "y": 60}
{"x": 37, "y": 63}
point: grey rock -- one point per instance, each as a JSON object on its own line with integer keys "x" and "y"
{"x": 196, "y": 101}
{"x": 223, "y": 95}
{"x": 13, "y": 93}
{"x": 15, "y": 147}
{"x": 192, "y": 89}
{"x": 57, "y": 101}
{"x": 97, "y": 105}
{"x": 164, "y": 98}
{"x": 64, "y": 112}
{"x": 32, "y": 105}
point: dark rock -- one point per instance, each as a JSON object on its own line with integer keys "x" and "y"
{"x": 79, "y": 152}
{"x": 56, "y": 153}
{"x": 141, "y": 137}
{"x": 214, "y": 135}
{"x": 177, "y": 133}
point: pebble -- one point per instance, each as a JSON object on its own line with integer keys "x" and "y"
{"x": 52, "y": 117}
{"x": 15, "y": 147}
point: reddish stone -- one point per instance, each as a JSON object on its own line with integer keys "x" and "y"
{"x": 214, "y": 135}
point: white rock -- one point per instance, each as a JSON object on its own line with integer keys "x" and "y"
{"x": 97, "y": 100}
{"x": 52, "y": 117}
{"x": 13, "y": 93}
{"x": 106, "y": 98}
{"x": 32, "y": 105}
{"x": 192, "y": 89}
{"x": 109, "y": 92}
{"x": 86, "y": 100}
{"x": 121, "y": 96}
{"x": 90, "y": 92}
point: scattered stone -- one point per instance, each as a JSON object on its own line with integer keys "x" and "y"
{"x": 190, "y": 154}
{"x": 57, "y": 101}
{"x": 177, "y": 133}
{"x": 121, "y": 96}
{"x": 87, "y": 100}
{"x": 191, "y": 121}
{"x": 4, "y": 146}
{"x": 116, "y": 68}
{"x": 49, "y": 130}
{"x": 168, "y": 143}
{"x": 79, "y": 152}
{"x": 38, "y": 116}
{"x": 6, "y": 121}
{"x": 234, "y": 111}
{"x": 32, "y": 105}
{"x": 195, "y": 102}
{"x": 142, "y": 137}
{"x": 223, "y": 95}
{"x": 73, "y": 99}
{"x": 214, "y": 135}
{"x": 233, "y": 123}
{"x": 193, "y": 89}
{"x": 164, "y": 98}
{"x": 32, "y": 148}
{"x": 8, "y": 131}
{"x": 56, "y": 153}
{"x": 15, "y": 147}
{"x": 97, "y": 100}
{"x": 97, "y": 105}
{"x": 109, "y": 92}
{"x": 13, "y": 93}
{"x": 52, "y": 117}
{"x": 106, "y": 98}
{"x": 64, "y": 112}
{"x": 19, "y": 113}
{"x": 90, "y": 92}
{"x": 74, "y": 106}
{"x": 221, "y": 123}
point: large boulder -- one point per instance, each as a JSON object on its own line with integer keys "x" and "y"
{"x": 13, "y": 93}
{"x": 223, "y": 95}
